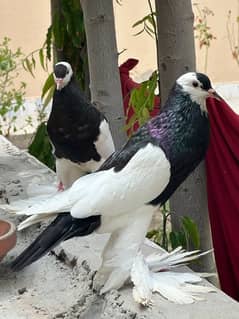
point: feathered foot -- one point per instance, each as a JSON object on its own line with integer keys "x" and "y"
{"x": 153, "y": 274}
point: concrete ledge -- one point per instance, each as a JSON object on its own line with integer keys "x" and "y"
{"x": 53, "y": 288}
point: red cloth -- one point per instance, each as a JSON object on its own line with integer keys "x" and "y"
{"x": 127, "y": 84}
{"x": 222, "y": 164}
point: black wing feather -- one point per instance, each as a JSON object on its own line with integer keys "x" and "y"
{"x": 62, "y": 228}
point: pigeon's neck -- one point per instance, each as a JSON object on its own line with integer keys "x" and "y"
{"x": 70, "y": 99}
{"x": 180, "y": 125}
{"x": 186, "y": 100}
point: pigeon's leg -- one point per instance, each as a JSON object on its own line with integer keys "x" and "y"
{"x": 60, "y": 187}
{"x": 68, "y": 172}
{"x": 128, "y": 233}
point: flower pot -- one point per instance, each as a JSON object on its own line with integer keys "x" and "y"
{"x": 8, "y": 237}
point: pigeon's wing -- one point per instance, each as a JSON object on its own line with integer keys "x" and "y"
{"x": 74, "y": 135}
{"x": 129, "y": 179}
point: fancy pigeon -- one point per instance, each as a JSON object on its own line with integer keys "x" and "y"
{"x": 122, "y": 195}
{"x": 79, "y": 133}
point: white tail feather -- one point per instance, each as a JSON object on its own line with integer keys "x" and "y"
{"x": 177, "y": 257}
{"x": 43, "y": 204}
{"x": 34, "y": 219}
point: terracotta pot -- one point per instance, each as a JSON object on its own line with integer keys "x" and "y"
{"x": 8, "y": 237}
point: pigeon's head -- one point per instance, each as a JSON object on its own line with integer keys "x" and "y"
{"x": 198, "y": 86}
{"x": 62, "y": 74}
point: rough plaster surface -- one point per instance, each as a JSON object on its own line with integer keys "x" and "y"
{"x": 60, "y": 284}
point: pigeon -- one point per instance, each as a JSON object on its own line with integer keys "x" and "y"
{"x": 122, "y": 195}
{"x": 79, "y": 133}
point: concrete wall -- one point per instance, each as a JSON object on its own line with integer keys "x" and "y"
{"x": 221, "y": 66}
{"x": 26, "y": 23}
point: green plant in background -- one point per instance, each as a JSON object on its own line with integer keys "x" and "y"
{"x": 203, "y": 31}
{"x": 147, "y": 25}
{"x": 233, "y": 35}
{"x": 142, "y": 101}
{"x": 65, "y": 41}
{"x": 142, "y": 98}
{"x": 188, "y": 235}
{"x": 11, "y": 95}
{"x": 41, "y": 142}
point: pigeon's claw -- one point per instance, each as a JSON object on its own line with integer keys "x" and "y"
{"x": 60, "y": 187}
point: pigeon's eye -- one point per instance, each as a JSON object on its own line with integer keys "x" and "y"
{"x": 195, "y": 84}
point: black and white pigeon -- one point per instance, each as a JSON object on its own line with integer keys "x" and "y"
{"x": 79, "y": 133}
{"x": 122, "y": 195}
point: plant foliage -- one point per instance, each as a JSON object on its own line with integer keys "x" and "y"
{"x": 233, "y": 36}
{"x": 142, "y": 101}
{"x": 203, "y": 31}
{"x": 41, "y": 147}
{"x": 65, "y": 41}
{"x": 187, "y": 236}
{"x": 11, "y": 94}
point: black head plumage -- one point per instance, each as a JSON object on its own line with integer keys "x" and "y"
{"x": 60, "y": 71}
{"x": 204, "y": 80}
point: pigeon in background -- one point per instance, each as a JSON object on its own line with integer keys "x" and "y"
{"x": 79, "y": 133}
{"x": 122, "y": 195}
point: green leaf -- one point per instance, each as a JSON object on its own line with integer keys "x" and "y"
{"x": 41, "y": 58}
{"x": 48, "y": 42}
{"x": 49, "y": 96}
{"x": 191, "y": 230}
{"x": 140, "y": 21}
{"x": 41, "y": 147}
{"x": 145, "y": 114}
{"x": 177, "y": 239}
{"x": 29, "y": 66}
{"x": 33, "y": 62}
{"x": 138, "y": 33}
{"x": 49, "y": 83}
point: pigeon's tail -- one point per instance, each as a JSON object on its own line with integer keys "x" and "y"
{"x": 34, "y": 219}
{"x": 62, "y": 228}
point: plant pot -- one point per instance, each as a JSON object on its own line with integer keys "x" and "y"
{"x": 8, "y": 237}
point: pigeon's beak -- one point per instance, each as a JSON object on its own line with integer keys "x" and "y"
{"x": 59, "y": 83}
{"x": 212, "y": 93}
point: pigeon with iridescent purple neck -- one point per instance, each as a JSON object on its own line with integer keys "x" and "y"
{"x": 122, "y": 195}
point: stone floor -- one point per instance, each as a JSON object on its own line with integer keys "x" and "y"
{"x": 51, "y": 288}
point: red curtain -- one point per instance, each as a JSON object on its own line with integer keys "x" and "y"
{"x": 222, "y": 164}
